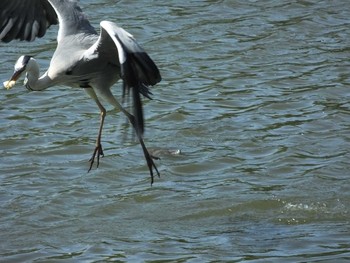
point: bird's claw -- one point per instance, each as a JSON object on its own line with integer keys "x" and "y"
{"x": 151, "y": 165}
{"x": 98, "y": 152}
{"x": 154, "y": 157}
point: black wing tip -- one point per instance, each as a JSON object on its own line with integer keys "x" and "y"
{"x": 27, "y": 28}
{"x": 147, "y": 70}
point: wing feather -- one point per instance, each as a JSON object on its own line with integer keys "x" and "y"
{"x": 137, "y": 69}
{"x": 25, "y": 19}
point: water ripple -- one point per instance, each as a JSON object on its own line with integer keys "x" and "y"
{"x": 254, "y": 100}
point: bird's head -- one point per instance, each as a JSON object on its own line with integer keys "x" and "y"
{"x": 20, "y": 67}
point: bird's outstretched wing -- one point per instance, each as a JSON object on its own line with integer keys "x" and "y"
{"x": 25, "y": 19}
{"x": 72, "y": 20}
{"x": 28, "y": 19}
{"x": 137, "y": 69}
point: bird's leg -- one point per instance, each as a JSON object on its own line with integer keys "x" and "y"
{"x": 98, "y": 152}
{"x": 149, "y": 158}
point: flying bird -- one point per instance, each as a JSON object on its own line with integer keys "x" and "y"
{"x": 83, "y": 59}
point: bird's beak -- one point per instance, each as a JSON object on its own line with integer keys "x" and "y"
{"x": 10, "y": 83}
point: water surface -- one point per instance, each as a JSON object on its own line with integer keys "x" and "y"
{"x": 254, "y": 94}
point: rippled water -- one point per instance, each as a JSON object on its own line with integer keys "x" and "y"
{"x": 254, "y": 94}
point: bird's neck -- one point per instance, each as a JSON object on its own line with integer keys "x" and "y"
{"x": 32, "y": 80}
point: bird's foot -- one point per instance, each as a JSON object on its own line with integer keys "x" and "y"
{"x": 98, "y": 152}
{"x": 151, "y": 165}
{"x": 154, "y": 157}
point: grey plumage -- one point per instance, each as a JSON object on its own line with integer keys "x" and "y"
{"x": 83, "y": 58}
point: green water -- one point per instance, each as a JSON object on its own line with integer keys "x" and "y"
{"x": 254, "y": 94}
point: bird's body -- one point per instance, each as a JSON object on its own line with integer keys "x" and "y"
{"x": 79, "y": 71}
{"x": 83, "y": 58}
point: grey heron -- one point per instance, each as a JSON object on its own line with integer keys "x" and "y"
{"x": 83, "y": 59}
